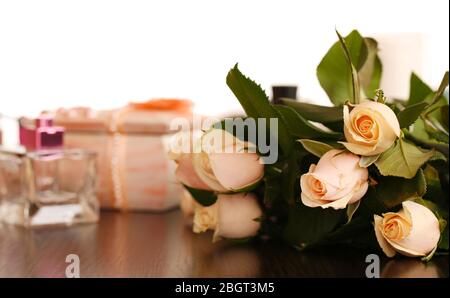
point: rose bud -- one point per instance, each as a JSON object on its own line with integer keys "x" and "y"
{"x": 370, "y": 128}
{"x": 225, "y": 163}
{"x": 336, "y": 181}
{"x": 232, "y": 216}
{"x": 413, "y": 231}
{"x": 237, "y": 216}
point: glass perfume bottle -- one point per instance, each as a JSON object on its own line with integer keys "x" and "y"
{"x": 46, "y": 184}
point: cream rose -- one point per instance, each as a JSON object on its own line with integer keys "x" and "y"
{"x": 216, "y": 161}
{"x": 370, "y": 128}
{"x": 413, "y": 231}
{"x": 186, "y": 173}
{"x": 181, "y": 150}
{"x": 336, "y": 181}
{"x": 225, "y": 163}
{"x": 237, "y": 216}
{"x": 232, "y": 216}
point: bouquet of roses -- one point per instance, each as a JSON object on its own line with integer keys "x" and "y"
{"x": 367, "y": 172}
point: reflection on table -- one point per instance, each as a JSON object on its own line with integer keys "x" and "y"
{"x": 161, "y": 245}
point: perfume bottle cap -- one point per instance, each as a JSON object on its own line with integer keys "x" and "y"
{"x": 40, "y": 135}
{"x": 44, "y": 121}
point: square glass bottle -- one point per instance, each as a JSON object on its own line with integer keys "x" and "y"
{"x": 47, "y": 185}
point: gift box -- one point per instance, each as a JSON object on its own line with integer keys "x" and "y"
{"x": 134, "y": 172}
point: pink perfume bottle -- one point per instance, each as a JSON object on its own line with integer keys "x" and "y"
{"x": 47, "y": 184}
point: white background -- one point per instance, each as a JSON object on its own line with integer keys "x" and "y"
{"x": 106, "y": 53}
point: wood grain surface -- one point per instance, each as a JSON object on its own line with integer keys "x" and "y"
{"x": 160, "y": 245}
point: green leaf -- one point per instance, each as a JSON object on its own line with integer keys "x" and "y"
{"x": 434, "y": 110}
{"x": 272, "y": 190}
{"x": 316, "y": 113}
{"x": 418, "y": 90}
{"x": 309, "y": 225}
{"x": 351, "y": 209}
{"x": 418, "y": 131}
{"x": 371, "y": 204}
{"x": 410, "y": 114}
{"x": 315, "y": 147}
{"x": 256, "y": 104}
{"x": 366, "y": 161}
{"x": 301, "y": 128}
{"x": 443, "y": 242}
{"x": 442, "y": 224}
{"x": 433, "y": 116}
{"x": 203, "y": 197}
{"x": 421, "y": 92}
{"x": 434, "y": 188}
{"x": 420, "y": 137}
{"x": 370, "y": 72}
{"x": 389, "y": 193}
{"x": 290, "y": 178}
{"x": 402, "y": 160}
{"x": 356, "y": 88}
{"x": 281, "y": 180}
{"x": 444, "y": 116}
{"x": 438, "y": 156}
{"x": 435, "y": 130}
{"x": 251, "y": 96}
{"x": 441, "y": 89}
{"x": 334, "y": 73}
{"x": 392, "y": 191}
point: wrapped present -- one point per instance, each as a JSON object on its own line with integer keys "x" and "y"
{"x": 131, "y": 143}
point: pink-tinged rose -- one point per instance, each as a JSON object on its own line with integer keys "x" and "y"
{"x": 237, "y": 216}
{"x": 231, "y": 216}
{"x": 225, "y": 163}
{"x": 336, "y": 181}
{"x": 370, "y": 128}
{"x": 186, "y": 173}
{"x": 182, "y": 152}
{"x": 413, "y": 231}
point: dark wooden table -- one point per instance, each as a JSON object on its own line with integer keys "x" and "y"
{"x": 160, "y": 245}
